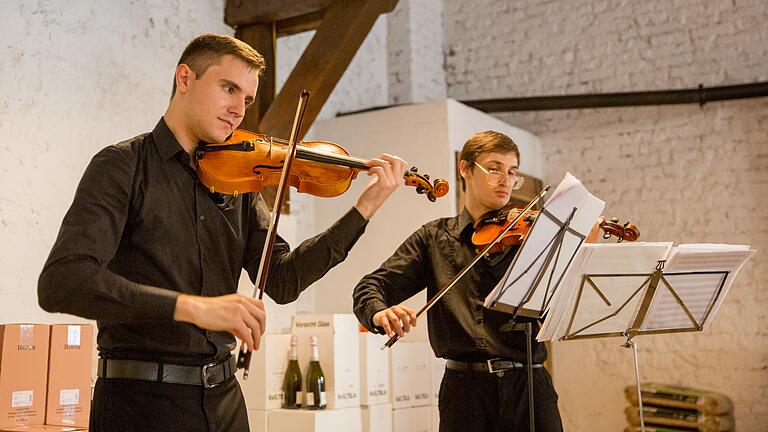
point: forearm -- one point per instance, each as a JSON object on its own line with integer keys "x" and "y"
{"x": 293, "y": 271}
{"x": 77, "y": 285}
{"x": 367, "y": 301}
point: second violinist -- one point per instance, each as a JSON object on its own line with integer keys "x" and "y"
{"x": 461, "y": 330}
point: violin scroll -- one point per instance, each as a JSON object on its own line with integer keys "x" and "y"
{"x": 612, "y": 227}
{"x": 438, "y": 188}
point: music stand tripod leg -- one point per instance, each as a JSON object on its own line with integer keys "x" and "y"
{"x": 528, "y": 335}
{"x": 633, "y": 344}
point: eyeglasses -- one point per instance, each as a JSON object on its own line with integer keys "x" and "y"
{"x": 496, "y": 177}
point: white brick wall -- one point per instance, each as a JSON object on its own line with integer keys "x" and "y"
{"x": 415, "y": 52}
{"x": 363, "y": 84}
{"x": 682, "y": 173}
{"x": 498, "y": 48}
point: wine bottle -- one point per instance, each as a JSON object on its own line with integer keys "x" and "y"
{"x": 315, "y": 379}
{"x": 292, "y": 394}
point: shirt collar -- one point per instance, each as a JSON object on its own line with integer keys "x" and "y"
{"x": 166, "y": 142}
{"x": 463, "y": 222}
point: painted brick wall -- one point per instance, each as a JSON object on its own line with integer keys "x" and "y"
{"x": 683, "y": 173}
{"x": 415, "y": 52}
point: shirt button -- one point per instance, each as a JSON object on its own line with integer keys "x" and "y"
{"x": 202, "y": 217}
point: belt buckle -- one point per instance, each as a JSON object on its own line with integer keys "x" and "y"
{"x": 491, "y": 368}
{"x": 204, "y": 375}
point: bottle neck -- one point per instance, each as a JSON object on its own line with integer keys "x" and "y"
{"x": 293, "y": 354}
{"x": 314, "y": 356}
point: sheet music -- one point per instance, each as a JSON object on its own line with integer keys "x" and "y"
{"x": 520, "y": 276}
{"x": 702, "y": 294}
{"x": 580, "y": 310}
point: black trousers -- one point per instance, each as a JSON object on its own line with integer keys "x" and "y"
{"x": 484, "y": 402}
{"x": 123, "y": 405}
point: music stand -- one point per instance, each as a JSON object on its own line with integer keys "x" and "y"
{"x": 543, "y": 259}
{"x": 654, "y": 308}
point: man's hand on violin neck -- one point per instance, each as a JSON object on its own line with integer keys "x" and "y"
{"x": 242, "y": 316}
{"x": 396, "y": 319}
{"x": 388, "y": 171}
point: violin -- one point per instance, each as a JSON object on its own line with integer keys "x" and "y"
{"x": 249, "y": 161}
{"x": 488, "y": 227}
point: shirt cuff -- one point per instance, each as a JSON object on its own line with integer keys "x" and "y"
{"x": 373, "y": 308}
{"x": 157, "y": 302}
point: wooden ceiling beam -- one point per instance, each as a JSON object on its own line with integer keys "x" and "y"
{"x": 247, "y": 12}
{"x": 344, "y": 27}
{"x": 262, "y": 38}
{"x": 300, "y": 24}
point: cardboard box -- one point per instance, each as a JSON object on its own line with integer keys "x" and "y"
{"x": 417, "y": 419}
{"x": 410, "y": 374}
{"x": 23, "y": 374}
{"x": 263, "y": 390}
{"x": 257, "y": 420}
{"x": 437, "y": 370}
{"x": 302, "y": 420}
{"x": 377, "y": 418}
{"x": 435, "y": 424}
{"x": 374, "y": 370}
{"x": 338, "y": 344}
{"x": 69, "y": 375}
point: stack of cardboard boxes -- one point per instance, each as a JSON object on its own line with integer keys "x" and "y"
{"x": 375, "y": 389}
{"x": 410, "y": 370}
{"x": 368, "y": 390}
{"x": 45, "y": 377}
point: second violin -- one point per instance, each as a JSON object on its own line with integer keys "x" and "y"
{"x": 249, "y": 161}
{"x": 493, "y": 223}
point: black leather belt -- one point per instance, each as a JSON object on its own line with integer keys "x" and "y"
{"x": 208, "y": 376}
{"x": 490, "y": 366}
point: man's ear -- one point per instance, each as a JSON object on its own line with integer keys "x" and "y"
{"x": 184, "y": 75}
{"x": 463, "y": 168}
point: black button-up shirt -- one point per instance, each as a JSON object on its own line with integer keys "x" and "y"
{"x": 460, "y": 327}
{"x": 142, "y": 229}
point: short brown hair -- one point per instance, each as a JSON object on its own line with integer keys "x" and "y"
{"x": 205, "y": 51}
{"x": 486, "y": 142}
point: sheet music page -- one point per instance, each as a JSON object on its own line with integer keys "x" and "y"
{"x": 564, "y": 296}
{"x": 582, "y": 310}
{"x": 702, "y": 293}
{"x": 531, "y": 257}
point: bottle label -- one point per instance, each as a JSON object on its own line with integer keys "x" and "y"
{"x": 310, "y": 399}
{"x": 299, "y": 397}
{"x": 322, "y": 398}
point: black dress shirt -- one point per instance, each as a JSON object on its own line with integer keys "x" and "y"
{"x": 460, "y": 327}
{"x": 142, "y": 230}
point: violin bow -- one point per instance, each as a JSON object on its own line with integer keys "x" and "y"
{"x": 395, "y": 337}
{"x": 244, "y": 356}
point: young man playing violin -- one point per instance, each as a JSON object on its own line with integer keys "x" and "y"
{"x": 146, "y": 251}
{"x": 461, "y": 330}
